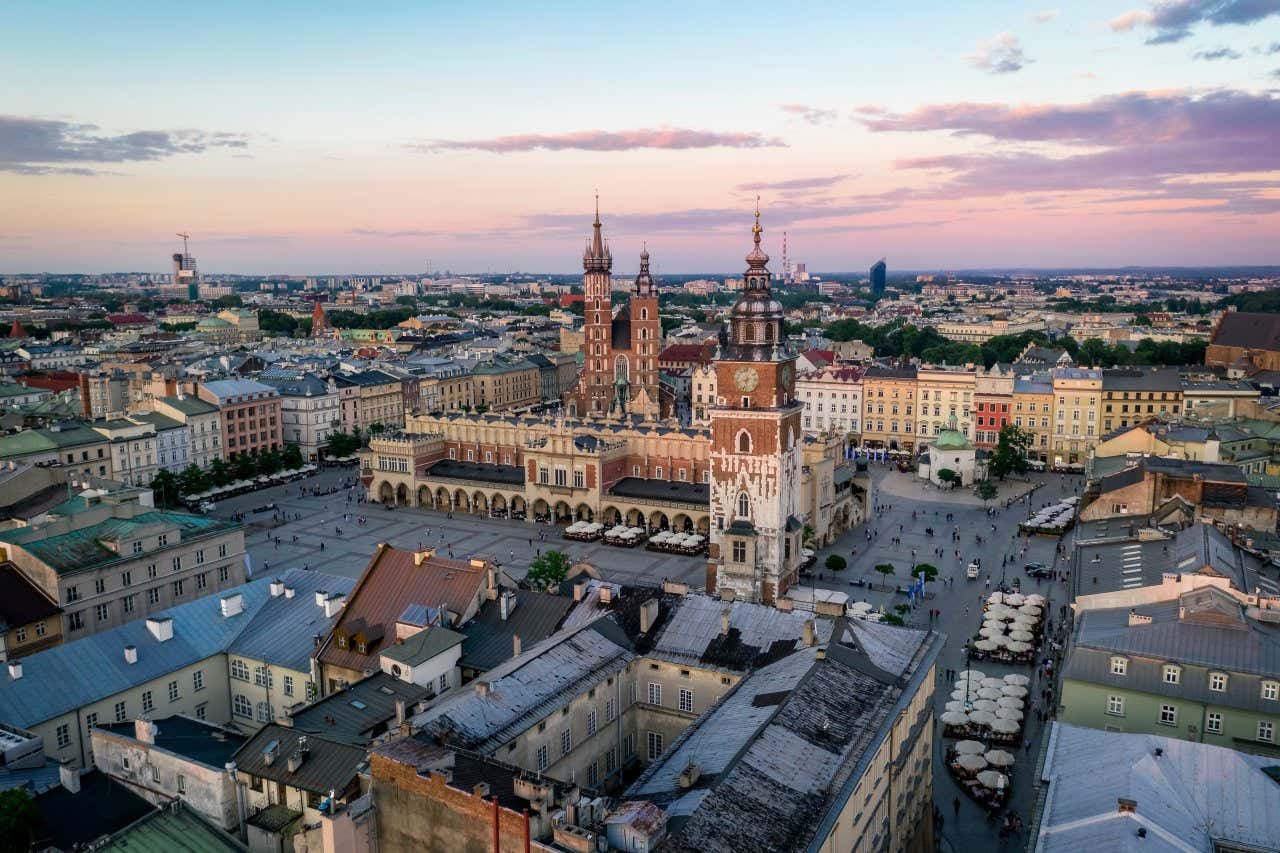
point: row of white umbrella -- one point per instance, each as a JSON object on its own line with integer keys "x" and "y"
{"x": 995, "y": 703}
{"x": 1016, "y": 599}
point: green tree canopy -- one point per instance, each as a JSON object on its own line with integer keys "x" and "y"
{"x": 836, "y": 563}
{"x": 1010, "y": 455}
{"x": 548, "y": 570}
{"x": 986, "y": 490}
{"x": 18, "y": 820}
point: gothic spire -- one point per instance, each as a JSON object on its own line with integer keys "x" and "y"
{"x": 597, "y": 257}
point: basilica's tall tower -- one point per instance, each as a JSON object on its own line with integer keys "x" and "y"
{"x": 755, "y": 452}
{"x": 645, "y": 342}
{"x": 595, "y": 385}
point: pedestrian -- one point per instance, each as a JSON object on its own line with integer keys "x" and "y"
{"x": 955, "y": 806}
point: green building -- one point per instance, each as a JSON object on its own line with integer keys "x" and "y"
{"x": 1202, "y": 665}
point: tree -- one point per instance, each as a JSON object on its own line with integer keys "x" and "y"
{"x": 292, "y": 457}
{"x": 342, "y": 444}
{"x": 244, "y": 467}
{"x": 192, "y": 480}
{"x": 18, "y": 820}
{"x": 885, "y": 569}
{"x": 947, "y": 476}
{"x": 219, "y": 473}
{"x": 835, "y": 563}
{"x": 929, "y": 571}
{"x": 165, "y": 486}
{"x": 807, "y": 536}
{"x": 269, "y": 462}
{"x": 548, "y": 570}
{"x": 1010, "y": 455}
{"x": 893, "y": 619}
{"x": 986, "y": 490}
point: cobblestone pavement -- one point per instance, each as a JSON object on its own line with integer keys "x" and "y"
{"x": 329, "y": 537}
{"x": 960, "y": 604}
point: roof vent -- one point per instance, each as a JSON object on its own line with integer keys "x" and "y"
{"x": 15, "y": 669}
{"x": 289, "y": 592}
{"x": 130, "y": 654}
{"x": 277, "y": 588}
{"x": 161, "y": 627}
{"x": 232, "y": 605}
{"x": 321, "y": 595}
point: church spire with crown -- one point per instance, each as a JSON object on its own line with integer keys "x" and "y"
{"x": 644, "y": 281}
{"x": 597, "y": 258}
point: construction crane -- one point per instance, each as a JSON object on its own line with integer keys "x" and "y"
{"x": 185, "y": 237}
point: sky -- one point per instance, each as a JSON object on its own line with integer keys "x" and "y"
{"x": 313, "y": 138}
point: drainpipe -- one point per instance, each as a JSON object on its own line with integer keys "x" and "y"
{"x": 497, "y": 838}
{"x": 526, "y": 831}
{"x": 240, "y": 803}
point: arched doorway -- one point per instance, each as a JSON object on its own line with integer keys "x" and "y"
{"x": 402, "y": 495}
{"x": 563, "y": 513}
{"x": 704, "y": 525}
{"x": 681, "y": 523}
{"x": 498, "y": 506}
{"x": 611, "y": 515}
{"x": 386, "y": 494}
{"x": 634, "y": 518}
{"x": 658, "y": 521}
{"x": 461, "y": 503}
{"x": 424, "y": 496}
{"x": 584, "y": 513}
{"x": 541, "y": 510}
{"x": 479, "y": 504}
{"x": 442, "y": 499}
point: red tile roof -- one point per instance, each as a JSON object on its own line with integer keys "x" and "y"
{"x": 134, "y": 319}
{"x": 390, "y": 583}
{"x": 820, "y": 356}
{"x": 687, "y": 353}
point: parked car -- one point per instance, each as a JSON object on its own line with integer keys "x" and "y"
{"x": 1038, "y": 570}
{"x": 972, "y": 571}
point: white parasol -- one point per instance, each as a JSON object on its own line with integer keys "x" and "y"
{"x": 993, "y": 779}
{"x": 1014, "y": 690}
{"x": 999, "y": 758}
{"x": 971, "y": 763}
{"x": 982, "y": 718}
{"x": 1003, "y": 725}
{"x": 954, "y": 718}
{"x": 1017, "y": 678}
{"x": 970, "y": 747}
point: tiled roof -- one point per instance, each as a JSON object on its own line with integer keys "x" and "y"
{"x": 391, "y": 582}
{"x": 210, "y": 745}
{"x": 1248, "y": 331}
{"x": 328, "y": 766}
{"x": 359, "y": 713}
{"x": 490, "y": 639}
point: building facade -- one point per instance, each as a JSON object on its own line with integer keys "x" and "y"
{"x": 250, "y": 415}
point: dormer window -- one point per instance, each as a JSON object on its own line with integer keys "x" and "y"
{"x": 363, "y": 648}
{"x": 1171, "y": 674}
{"x": 342, "y": 641}
{"x": 1271, "y": 690}
{"x": 1218, "y": 682}
{"x": 1119, "y": 666}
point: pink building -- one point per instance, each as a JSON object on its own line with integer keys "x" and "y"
{"x": 250, "y": 414}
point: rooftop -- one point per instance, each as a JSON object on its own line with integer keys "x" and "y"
{"x": 327, "y": 765}
{"x": 21, "y": 602}
{"x": 102, "y": 807}
{"x": 662, "y": 490}
{"x": 1192, "y": 796}
{"x": 176, "y": 827}
{"x": 197, "y": 740}
{"x": 506, "y": 475}
{"x": 489, "y": 639}
{"x": 359, "y": 713}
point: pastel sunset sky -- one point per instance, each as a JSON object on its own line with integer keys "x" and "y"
{"x": 380, "y": 137}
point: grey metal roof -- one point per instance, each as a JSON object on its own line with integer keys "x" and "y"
{"x": 423, "y": 646}
{"x": 1189, "y": 798}
{"x": 663, "y": 490}
{"x": 507, "y": 475}
{"x": 360, "y": 712}
{"x": 328, "y": 766}
{"x": 756, "y": 633}
{"x": 73, "y": 675}
{"x": 526, "y": 689}
{"x": 1212, "y": 635}
{"x": 210, "y": 745}
{"x": 282, "y": 632}
{"x": 490, "y": 640}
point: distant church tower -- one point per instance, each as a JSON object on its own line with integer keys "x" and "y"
{"x": 319, "y": 322}
{"x": 755, "y": 448}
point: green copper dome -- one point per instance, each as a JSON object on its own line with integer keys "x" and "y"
{"x": 952, "y": 439}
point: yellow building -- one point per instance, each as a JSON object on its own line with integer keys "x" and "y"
{"x": 1077, "y": 393}
{"x": 944, "y": 396}
{"x": 502, "y": 385}
{"x": 889, "y": 408}
{"x": 1033, "y": 411}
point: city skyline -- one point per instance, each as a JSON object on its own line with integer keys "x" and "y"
{"x": 301, "y": 140}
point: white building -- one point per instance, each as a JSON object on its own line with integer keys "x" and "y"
{"x": 832, "y": 399}
{"x": 310, "y": 411}
{"x": 203, "y": 425}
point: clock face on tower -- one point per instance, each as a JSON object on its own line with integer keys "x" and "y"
{"x": 786, "y": 374}
{"x": 746, "y": 379}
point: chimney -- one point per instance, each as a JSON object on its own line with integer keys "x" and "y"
{"x": 400, "y": 711}
{"x": 482, "y": 687}
{"x": 724, "y": 621}
{"x": 606, "y": 594}
{"x": 810, "y": 632}
{"x": 232, "y": 605}
{"x": 333, "y": 604}
{"x": 145, "y": 731}
{"x": 130, "y": 654}
{"x": 515, "y": 645}
{"x": 648, "y": 615}
{"x": 481, "y": 790}
{"x": 277, "y": 588}
{"x": 69, "y": 777}
{"x": 321, "y": 595}
{"x": 289, "y": 592}
{"x": 161, "y": 627}
{"x": 15, "y": 669}
{"x": 295, "y": 760}
{"x": 506, "y": 603}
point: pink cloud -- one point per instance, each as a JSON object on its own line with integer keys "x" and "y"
{"x": 810, "y": 115}
{"x": 664, "y": 138}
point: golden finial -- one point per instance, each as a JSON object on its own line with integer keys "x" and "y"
{"x": 755, "y": 229}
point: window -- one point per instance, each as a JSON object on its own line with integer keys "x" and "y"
{"x": 90, "y": 720}
{"x": 147, "y": 703}
{"x": 1213, "y": 723}
{"x": 566, "y": 741}
{"x": 739, "y": 551}
{"x": 1270, "y": 690}
{"x": 1168, "y": 715}
{"x": 610, "y": 709}
{"x": 542, "y": 758}
{"x": 222, "y": 550}
{"x": 444, "y": 681}
{"x": 288, "y": 685}
{"x": 63, "y": 734}
{"x": 21, "y": 634}
{"x": 75, "y": 621}
{"x": 744, "y": 442}
{"x": 101, "y": 612}
{"x": 100, "y": 586}
{"x": 262, "y": 677}
{"x": 223, "y": 573}
{"x": 41, "y": 628}
{"x": 744, "y": 506}
{"x": 152, "y": 571}
{"x": 127, "y": 603}
{"x": 137, "y": 547}
{"x": 73, "y": 594}
{"x": 654, "y": 745}
{"x": 610, "y": 760}
{"x": 182, "y": 784}
{"x": 264, "y": 712}
{"x": 173, "y": 691}
{"x": 579, "y": 479}
{"x": 655, "y": 693}
{"x": 199, "y": 556}
{"x": 241, "y": 708}
{"x": 1171, "y": 674}
{"x": 120, "y": 714}
{"x": 153, "y": 595}
{"x": 686, "y": 700}
{"x": 593, "y": 773}
{"x": 178, "y": 588}
{"x": 202, "y": 580}
{"x": 1217, "y": 682}
{"x": 176, "y": 562}
{"x": 1266, "y": 731}
{"x": 239, "y": 670}
{"x": 197, "y": 680}
{"x": 591, "y": 722}
{"x": 1115, "y": 706}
